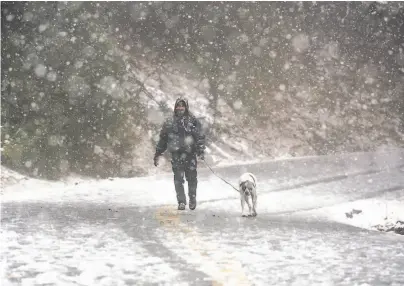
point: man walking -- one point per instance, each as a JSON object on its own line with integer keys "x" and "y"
{"x": 182, "y": 135}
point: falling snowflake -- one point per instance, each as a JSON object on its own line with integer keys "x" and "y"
{"x": 10, "y": 17}
{"x": 237, "y": 104}
{"x": 300, "y": 43}
{"x": 257, "y": 51}
{"x": 40, "y": 70}
{"x": 43, "y": 27}
{"x": 51, "y": 76}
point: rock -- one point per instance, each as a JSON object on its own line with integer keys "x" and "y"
{"x": 351, "y": 213}
{"x": 398, "y": 227}
{"x": 354, "y": 211}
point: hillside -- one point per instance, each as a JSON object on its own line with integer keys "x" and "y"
{"x": 85, "y": 86}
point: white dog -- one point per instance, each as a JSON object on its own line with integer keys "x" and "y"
{"x": 248, "y": 193}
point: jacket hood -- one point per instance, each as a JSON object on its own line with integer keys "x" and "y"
{"x": 183, "y": 100}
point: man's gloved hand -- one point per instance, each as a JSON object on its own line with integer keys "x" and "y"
{"x": 156, "y": 160}
{"x": 201, "y": 156}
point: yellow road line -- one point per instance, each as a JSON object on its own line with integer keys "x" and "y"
{"x": 223, "y": 270}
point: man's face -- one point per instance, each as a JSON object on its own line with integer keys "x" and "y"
{"x": 180, "y": 108}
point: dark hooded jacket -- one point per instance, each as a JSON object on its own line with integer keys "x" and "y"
{"x": 181, "y": 133}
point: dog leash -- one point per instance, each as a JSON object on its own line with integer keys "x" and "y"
{"x": 220, "y": 177}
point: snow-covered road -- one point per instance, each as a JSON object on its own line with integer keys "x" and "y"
{"x": 127, "y": 231}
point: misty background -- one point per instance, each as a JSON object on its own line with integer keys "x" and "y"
{"x": 85, "y": 86}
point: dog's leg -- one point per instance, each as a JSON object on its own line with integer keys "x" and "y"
{"x": 254, "y": 204}
{"x": 249, "y": 206}
{"x": 242, "y": 200}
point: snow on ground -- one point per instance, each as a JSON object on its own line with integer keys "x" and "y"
{"x": 333, "y": 200}
{"x": 10, "y": 178}
{"x": 82, "y": 249}
{"x": 372, "y": 183}
{"x": 145, "y": 191}
{"x": 56, "y": 232}
{"x": 377, "y": 213}
{"x": 221, "y": 266}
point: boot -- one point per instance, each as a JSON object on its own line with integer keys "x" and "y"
{"x": 192, "y": 203}
{"x": 192, "y": 195}
{"x": 181, "y": 206}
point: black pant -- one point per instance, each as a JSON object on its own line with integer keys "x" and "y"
{"x": 184, "y": 163}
